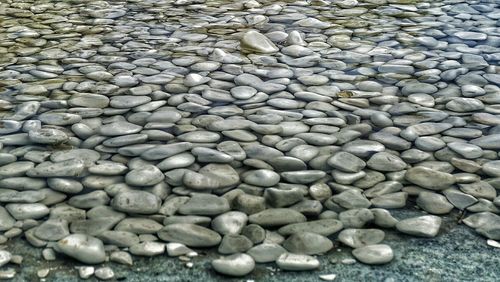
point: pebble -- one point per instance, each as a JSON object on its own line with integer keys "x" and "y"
{"x": 190, "y": 235}
{"x": 307, "y": 243}
{"x": 433, "y": 203}
{"x": 253, "y": 41}
{"x": 231, "y": 222}
{"x": 144, "y": 176}
{"x": 234, "y": 265}
{"x": 104, "y": 273}
{"x": 422, "y": 226}
{"x": 297, "y": 262}
{"x": 204, "y": 204}
{"x": 276, "y": 217}
{"x": 5, "y": 257}
{"x": 283, "y": 116}
{"x": 328, "y": 277}
{"x": 81, "y": 247}
{"x": 139, "y": 202}
{"x": 266, "y": 252}
{"x": 357, "y": 238}
{"x": 325, "y": 227}
{"x": 147, "y": 249}
{"x": 429, "y": 178}
{"x": 374, "y": 254}
{"x": 85, "y": 272}
{"x": 262, "y": 177}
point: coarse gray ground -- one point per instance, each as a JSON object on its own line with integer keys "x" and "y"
{"x": 456, "y": 254}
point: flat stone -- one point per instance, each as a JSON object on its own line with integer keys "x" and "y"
{"x": 346, "y": 162}
{"x": 121, "y": 258}
{"x": 119, "y": 238}
{"x": 5, "y": 257}
{"x": 374, "y": 254}
{"x": 84, "y": 248}
{"x": 433, "y": 203}
{"x": 138, "y": 225}
{"x": 231, "y": 222}
{"x": 190, "y": 235}
{"x": 147, "y": 249}
{"x": 307, "y": 243}
{"x": 357, "y": 238}
{"x": 422, "y": 226}
{"x": 139, "y": 202}
{"x": 490, "y": 142}
{"x": 104, "y": 273}
{"x": 262, "y": 177}
{"x": 492, "y": 168}
{"x": 276, "y": 217}
{"x": 6, "y": 220}
{"x": 47, "y": 136}
{"x": 16, "y": 169}
{"x": 363, "y": 148}
{"x": 282, "y": 197}
{"x": 52, "y": 230}
{"x": 234, "y": 265}
{"x": 198, "y": 181}
{"x": 68, "y": 168}
{"x": 266, "y": 252}
{"x": 325, "y": 227}
{"x": 27, "y": 211}
{"x": 89, "y": 200}
{"x": 144, "y": 176}
{"x": 480, "y": 189}
{"x": 297, "y": 262}
{"x": 464, "y": 105}
{"x": 356, "y": 218}
{"x": 204, "y": 204}
{"x": 225, "y": 175}
{"x": 429, "y": 178}
{"x": 384, "y": 161}
{"x": 232, "y": 244}
{"x": 303, "y": 176}
{"x": 254, "y": 42}
{"x": 119, "y": 128}
{"x": 470, "y": 35}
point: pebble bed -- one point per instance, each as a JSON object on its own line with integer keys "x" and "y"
{"x": 265, "y": 131}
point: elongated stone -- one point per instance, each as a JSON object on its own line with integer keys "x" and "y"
{"x": 422, "y": 226}
{"x": 276, "y": 217}
{"x": 190, "y": 235}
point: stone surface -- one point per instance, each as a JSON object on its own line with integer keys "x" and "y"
{"x": 116, "y": 117}
{"x": 423, "y": 226}
{"x": 234, "y": 265}
{"x": 84, "y": 248}
{"x": 374, "y": 254}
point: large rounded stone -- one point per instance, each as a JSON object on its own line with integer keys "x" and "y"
{"x": 422, "y": 226}
{"x": 374, "y": 254}
{"x": 254, "y": 42}
{"x": 234, "y": 265}
{"x": 139, "y": 202}
{"x": 144, "y": 176}
{"x": 429, "y": 178}
{"x": 84, "y": 248}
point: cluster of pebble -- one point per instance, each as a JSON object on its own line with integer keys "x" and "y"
{"x": 268, "y": 130}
